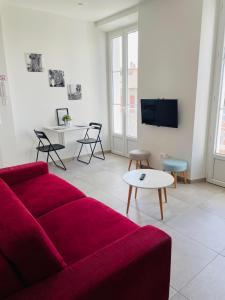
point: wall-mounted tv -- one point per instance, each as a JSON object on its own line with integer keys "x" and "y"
{"x": 160, "y": 112}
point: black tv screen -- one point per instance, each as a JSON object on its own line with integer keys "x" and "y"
{"x": 160, "y": 112}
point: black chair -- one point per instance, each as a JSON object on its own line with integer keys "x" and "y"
{"x": 49, "y": 147}
{"x": 92, "y": 142}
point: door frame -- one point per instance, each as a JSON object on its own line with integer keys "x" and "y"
{"x": 219, "y": 68}
{"x": 111, "y": 35}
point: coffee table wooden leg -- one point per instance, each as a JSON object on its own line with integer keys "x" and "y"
{"x": 165, "y": 194}
{"x": 136, "y": 190}
{"x": 130, "y": 163}
{"x": 129, "y": 196}
{"x": 160, "y": 202}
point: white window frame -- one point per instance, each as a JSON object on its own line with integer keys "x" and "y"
{"x": 124, "y": 33}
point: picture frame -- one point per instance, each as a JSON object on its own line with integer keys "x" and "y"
{"x": 60, "y": 113}
{"x": 34, "y": 62}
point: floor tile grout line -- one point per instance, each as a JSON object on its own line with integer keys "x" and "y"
{"x": 189, "y": 237}
{"x": 195, "y": 276}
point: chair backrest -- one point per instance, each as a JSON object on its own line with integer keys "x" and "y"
{"x": 94, "y": 126}
{"x": 97, "y": 126}
{"x": 42, "y": 136}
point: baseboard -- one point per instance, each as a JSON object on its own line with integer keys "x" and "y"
{"x": 65, "y": 160}
{"x": 197, "y": 180}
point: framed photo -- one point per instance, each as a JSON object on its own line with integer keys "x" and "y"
{"x": 34, "y": 62}
{"x": 61, "y": 112}
{"x": 56, "y": 78}
{"x": 74, "y": 91}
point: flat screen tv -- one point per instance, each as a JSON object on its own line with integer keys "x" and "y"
{"x": 160, "y": 112}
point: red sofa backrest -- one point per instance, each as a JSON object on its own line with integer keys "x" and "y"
{"x": 23, "y": 242}
{"x": 9, "y": 282}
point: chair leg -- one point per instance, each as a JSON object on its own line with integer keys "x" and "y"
{"x": 92, "y": 153}
{"x": 47, "y": 157}
{"x": 78, "y": 157}
{"x": 148, "y": 164}
{"x": 58, "y": 166}
{"x": 103, "y": 155}
{"x": 64, "y": 167}
{"x": 37, "y": 155}
{"x": 130, "y": 163}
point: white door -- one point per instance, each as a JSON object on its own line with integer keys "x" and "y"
{"x": 123, "y": 90}
{"x": 216, "y": 154}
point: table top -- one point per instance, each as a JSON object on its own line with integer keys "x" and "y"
{"x": 154, "y": 179}
{"x": 61, "y": 129}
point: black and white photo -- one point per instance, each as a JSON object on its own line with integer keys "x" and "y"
{"x": 56, "y": 78}
{"x": 34, "y": 62}
{"x": 74, "y": 91}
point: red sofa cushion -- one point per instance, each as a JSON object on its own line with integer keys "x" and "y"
{"x": 9, "y": 281}
{"x": 82, "y": 227}
{"x": 23, "y": 242}
{"x": 17, "y": 174}
{"x": 44, "y": 193}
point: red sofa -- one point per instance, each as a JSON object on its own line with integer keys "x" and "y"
{"x": 57, "y": 243}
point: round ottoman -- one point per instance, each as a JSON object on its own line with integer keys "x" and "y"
{"x": 139, "y": 156}
{"x": 176, "y": 166}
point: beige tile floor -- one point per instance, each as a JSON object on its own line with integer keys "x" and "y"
{"x": 194, "y": 218}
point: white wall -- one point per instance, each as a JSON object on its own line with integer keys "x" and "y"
{"x": 170, "y": 34}
{"x": 77, "y": 48}
{"x": 206, "y": 54}
{"x": 7, "y": 130}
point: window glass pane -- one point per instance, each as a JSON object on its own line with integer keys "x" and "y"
{"x": 117, "y": 54}
{"x": 220, "y": 149}
{"x": 117, "y": 119}
{"x": 220, "y": 142}
{"x": 131, "y": 122}
{"x": 133, "y": 50}
{"x": 117, "y": 88}
{"x": 132, "y": 81}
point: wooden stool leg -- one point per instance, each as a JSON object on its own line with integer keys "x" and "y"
{"x": 185, "y": 177}
{"x": 130, "y": 163}
{"x": 136, "y": 190}
{"x": 174, "y": 174}
{"x": 148, "y": 164}
{"x": 165, "y": 194}
{"x": 137, "y": 165}
{"x": 129, "y": 196}
{"x": 160, "y": 202}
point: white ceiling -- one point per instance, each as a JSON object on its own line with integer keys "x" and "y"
{"x": 91, "y": 10}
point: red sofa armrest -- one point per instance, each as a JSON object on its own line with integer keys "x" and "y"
{"x": 17, "y": 174}
{"x": 134, "y": 267}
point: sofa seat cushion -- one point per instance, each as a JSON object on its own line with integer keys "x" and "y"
{"x": 44, "y": 193}
{"x": 23, "y": 242}
{"x": 80, "y": 228}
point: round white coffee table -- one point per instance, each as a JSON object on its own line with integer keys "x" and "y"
{"x": 154, "y": 179}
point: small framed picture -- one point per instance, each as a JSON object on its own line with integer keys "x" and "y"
{"x": 60, "y": 113}
{"x": 74, "y": 91}
{"x": 56, "y": 78}
{"x": 34, "y": 62}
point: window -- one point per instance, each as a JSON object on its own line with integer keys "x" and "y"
{"x": 132, "y": 84}
{"x": 117, "y": 69}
